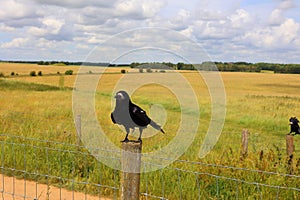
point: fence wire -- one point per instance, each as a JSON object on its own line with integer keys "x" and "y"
{"x": 42, "y": 169}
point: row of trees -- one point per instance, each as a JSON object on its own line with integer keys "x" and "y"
{"x": 224, "y": 66}
{"x": 221, "y": 66}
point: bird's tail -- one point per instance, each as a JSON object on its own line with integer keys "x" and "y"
{"x": 156, "y": 126}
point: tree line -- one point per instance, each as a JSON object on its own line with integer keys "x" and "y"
{"x": 221, "y": 66}
{"x": 225, "y": 66}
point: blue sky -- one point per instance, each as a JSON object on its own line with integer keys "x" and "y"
{"x": 232, "y": 30}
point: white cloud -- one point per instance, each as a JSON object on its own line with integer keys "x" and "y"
{"x": 13, "y": 10}
{"x": 77, "y": 3}
{"x": 276, "y": 17}
{"x": 137, "y": 9}
{"x": 241, "y": 18}
{"x": 15, "y": 43}
{"x": 282, "y": 36}
{"x": 228, "y": 30}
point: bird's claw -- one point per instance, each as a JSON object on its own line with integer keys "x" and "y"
{"x": 125, "y": 140}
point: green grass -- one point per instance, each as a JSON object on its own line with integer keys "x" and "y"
{"x": 38, "y": 108}
{"x": 25, "y": 86}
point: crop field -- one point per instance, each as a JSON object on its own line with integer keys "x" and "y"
{"x": 40, "y": 107}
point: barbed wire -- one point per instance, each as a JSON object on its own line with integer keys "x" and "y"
{"x": 21, "y": 147}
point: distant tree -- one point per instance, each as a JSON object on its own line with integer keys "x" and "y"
{"x": 69, "y": 72}
{"x": 123, "y": 71}
{"x": 40, "y": 73}
{"x": 180, "y": 65}
{"x": 32, "y": 73}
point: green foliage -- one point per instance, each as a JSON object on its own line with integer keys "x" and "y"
{"x": 69, "y": 72}
{"x": 18, "y": 85}
{"x": 59, "y": 64}
{"x": 32, "y": 73}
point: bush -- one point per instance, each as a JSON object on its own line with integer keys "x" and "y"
{"x": 69, "y": 72}
{"x": 12, "y": 73}
{"x": 32, "y": 73}
{"x": 40, "y": 73}
{"x": 141, "y": 70}
{"x": 1, "y": 74}
{"x": 149, "y": 70}
{"x": 123, "y": 71}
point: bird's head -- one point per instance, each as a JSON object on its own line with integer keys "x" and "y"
{"x": 122, "y": 97}
{"x": 293, "y": 121}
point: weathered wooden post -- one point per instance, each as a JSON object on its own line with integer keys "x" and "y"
{"x": 245, "y": 134}
{"x": 131, "y": 166}
{"x": 290, "y": 148}
{"x": 78, "y": 128}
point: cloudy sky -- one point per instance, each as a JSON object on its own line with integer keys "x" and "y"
{"x": 231, "y": 30}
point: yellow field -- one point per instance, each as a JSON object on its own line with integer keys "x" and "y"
{"x": 259, "y": 102}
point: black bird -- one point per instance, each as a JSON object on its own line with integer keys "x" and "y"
{"x": 130, "y": 115}
{"x": 294, "y": 125}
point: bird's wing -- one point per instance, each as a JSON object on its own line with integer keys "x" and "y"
{"x": 138, "y": 115}
{"x": 112, "y": 118}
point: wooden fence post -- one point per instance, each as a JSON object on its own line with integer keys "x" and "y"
{"x": 78, "y": 128}
{"x": 245, "y": 134}
{"x": 131, "y": 166}
{"x": 290, "y": 148}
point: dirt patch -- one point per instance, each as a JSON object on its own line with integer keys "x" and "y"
{"x": 15, "y": 189}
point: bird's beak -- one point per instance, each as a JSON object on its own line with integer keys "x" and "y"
{"x": 117, "y": 96}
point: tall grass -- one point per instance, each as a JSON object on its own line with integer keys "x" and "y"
{"x": 262, "y": 103}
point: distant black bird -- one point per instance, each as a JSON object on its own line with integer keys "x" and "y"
{"x": 294, "y": 125}
{"x": 130, "y": 115}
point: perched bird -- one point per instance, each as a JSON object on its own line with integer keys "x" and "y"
{"x": 130, "y": 115}
{"x": 294, "y": 125}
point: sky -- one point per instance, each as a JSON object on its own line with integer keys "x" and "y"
{"x": 156, "y": 30}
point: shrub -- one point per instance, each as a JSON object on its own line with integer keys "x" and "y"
{"x": 69, "y": 72}
{"x": 40, "y": 73}
{"x": 123, "y": 71}
{"x": 32, "y": 73}
{"x": 141, "y": 70}
{"x": 149, "y": 70}
{"x": 12, "y": 73}
{"x": 1, "y": 74}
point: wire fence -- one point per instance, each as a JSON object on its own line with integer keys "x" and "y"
{"x": 43, "y": 169}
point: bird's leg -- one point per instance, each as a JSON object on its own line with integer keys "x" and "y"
{"x": 126, "y": 138}
{"x": 140, "y": 138}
